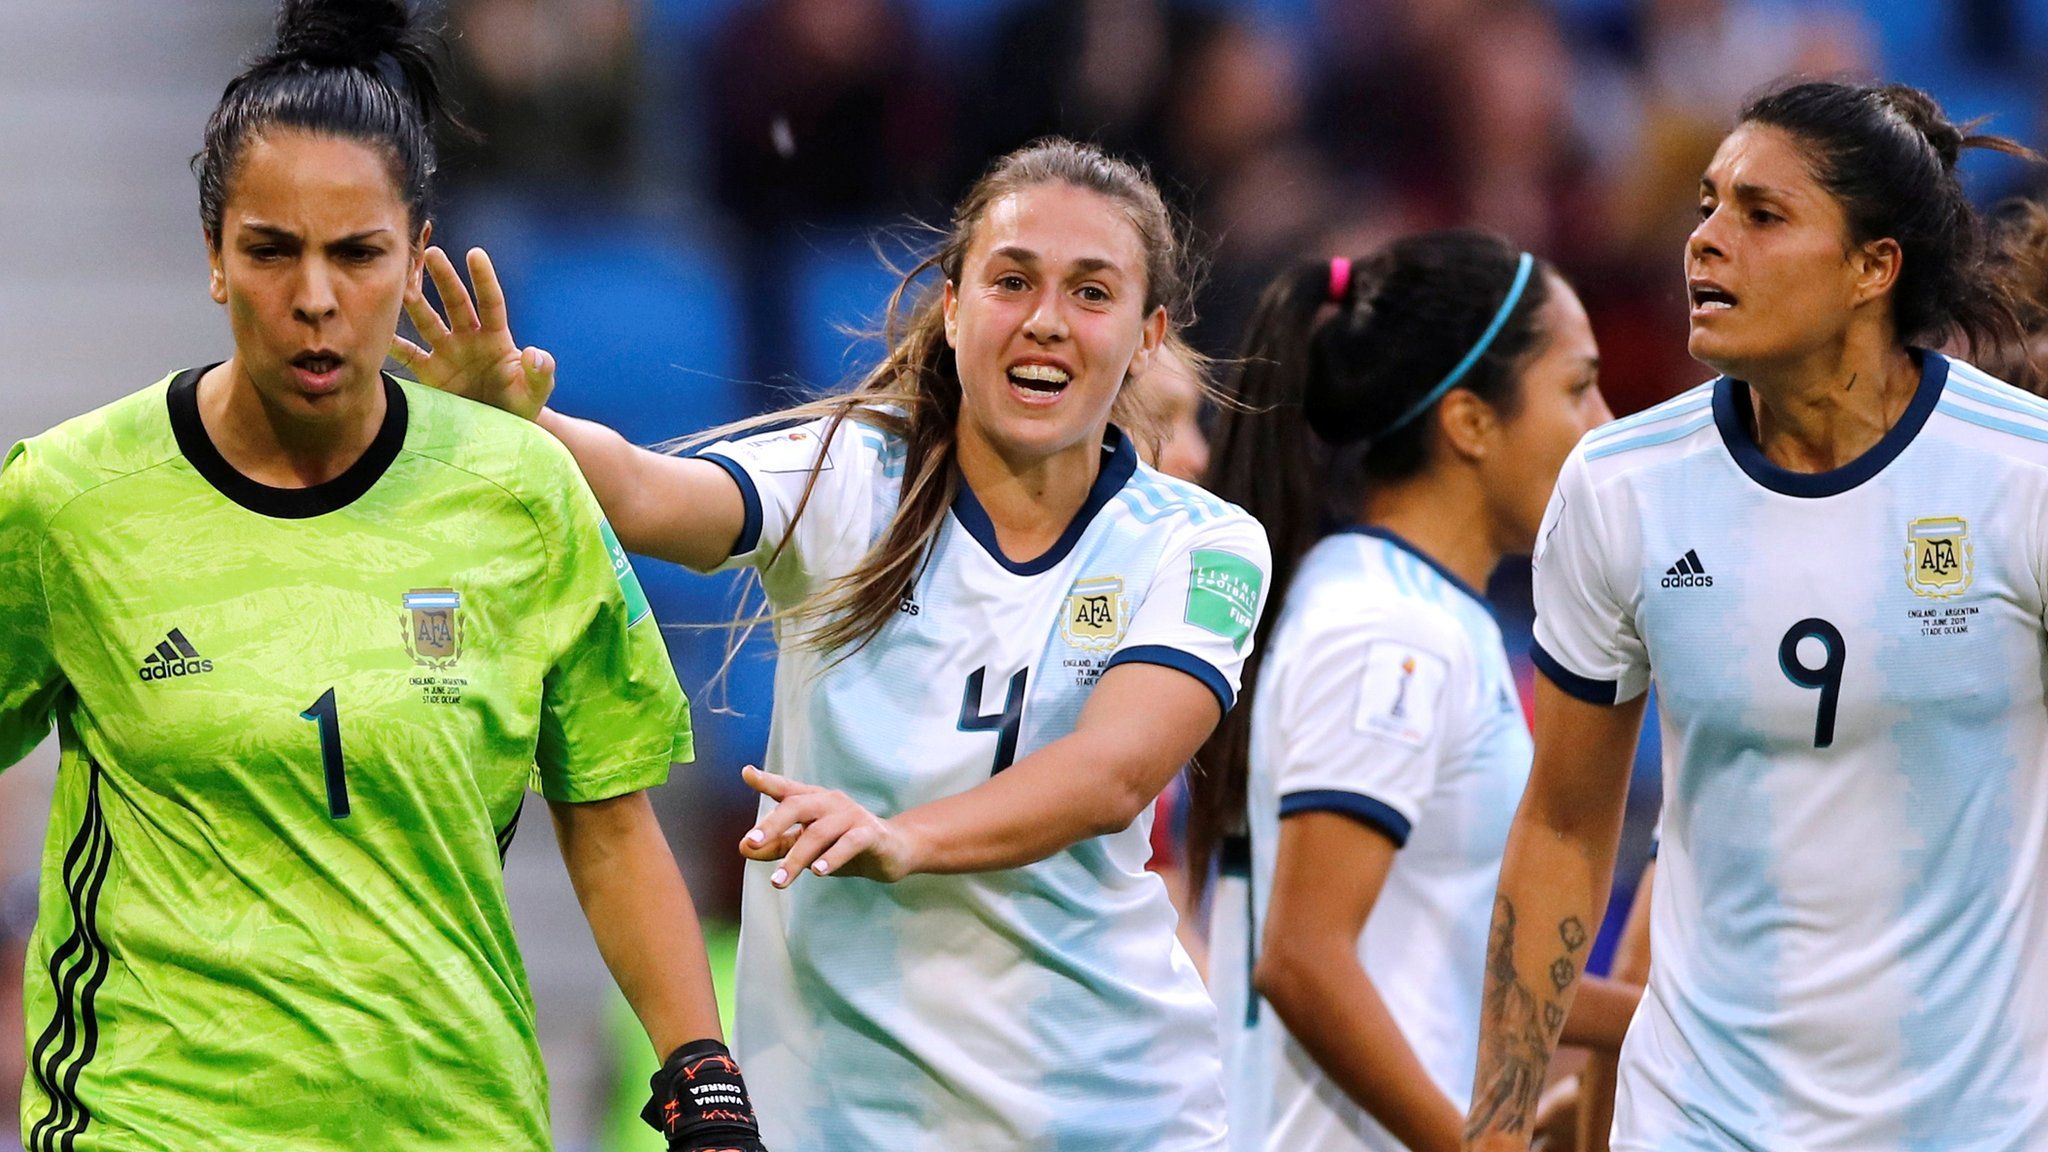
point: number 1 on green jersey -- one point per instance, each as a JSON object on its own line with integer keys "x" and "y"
{"x": 328, "y": 717}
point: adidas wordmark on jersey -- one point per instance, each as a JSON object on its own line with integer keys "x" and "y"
{"x": 1044, "y": 1007}
{"x": 1850, "y": 919}
{"x": 297, "y": 727}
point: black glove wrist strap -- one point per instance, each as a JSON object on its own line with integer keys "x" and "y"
{"x": 699, "y": 1098}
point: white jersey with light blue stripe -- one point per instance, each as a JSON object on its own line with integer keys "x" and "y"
{"x": 1044, "y": 1007}
{"x": 1850, "y": 920}
{"x": 1386, "y": 697}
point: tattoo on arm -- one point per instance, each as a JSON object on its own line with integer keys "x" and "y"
{"x": 1562, "y": 972}
{"x": 1519, "y": 1028}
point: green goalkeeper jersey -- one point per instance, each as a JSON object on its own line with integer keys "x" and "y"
{"x": 297, "y": 728}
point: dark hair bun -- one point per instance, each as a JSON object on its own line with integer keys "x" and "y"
{"x": 1918, "y": 109}
{"x": 345, "y": 33}
{"x": 358, "y": 69}
{"x": 1416, "y": 308}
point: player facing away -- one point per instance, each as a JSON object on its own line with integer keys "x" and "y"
{"x": 1423, "y": 397}
{"x": 1832, "y": 562}
{"x": 1001, "y": 634}
{"x": 306, "y": 633}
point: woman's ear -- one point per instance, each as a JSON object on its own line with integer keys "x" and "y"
{"x": 1468, "y": 423}
{"x": 1876, "y": 265}
{"x": 416, "y": 261}
{"x": 216, "y": 275}
{"x": 1148, "y": 347}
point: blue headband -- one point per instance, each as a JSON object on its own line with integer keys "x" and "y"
{"x": 1500, "y": 319}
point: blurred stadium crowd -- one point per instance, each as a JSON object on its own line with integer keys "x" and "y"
{"x": 691, "y": 200}
{"x": 742, "y": 147}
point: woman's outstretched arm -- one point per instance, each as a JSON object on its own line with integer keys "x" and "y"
{"x": 687, "y": 511}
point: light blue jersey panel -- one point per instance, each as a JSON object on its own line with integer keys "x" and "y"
{"x": 1849, "y": 911}
{"x": 1044, "y": 1007}
{"x": 1387, "y": 698}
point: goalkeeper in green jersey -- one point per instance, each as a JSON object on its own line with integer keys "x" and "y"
{"x": 306, "y": 632}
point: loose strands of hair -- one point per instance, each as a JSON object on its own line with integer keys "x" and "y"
{"x": 2019, "y": 243}
{"x": 1264, "y": 458}
{"x": 1888, "y": 154}
{"x": 1316, "y": 386}
{"x": 359, "y": 69}
{"x": 914, "y": 393}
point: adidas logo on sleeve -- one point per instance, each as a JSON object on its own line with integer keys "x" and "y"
{"x": 1688, "y": 573}
{"x": 174, "y": 656}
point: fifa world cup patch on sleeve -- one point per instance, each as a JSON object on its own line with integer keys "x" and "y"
{"x": 1398, "y": 695}
{"x": 1223, "y": 594}
{"x": 787, "y": 452}
{"x": 629, "y": 581}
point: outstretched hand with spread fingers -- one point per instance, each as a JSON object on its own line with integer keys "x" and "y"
{"x": 822, "y": 831}
{"x": 470, "y": 350}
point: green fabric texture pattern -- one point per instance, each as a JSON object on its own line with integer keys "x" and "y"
{"x": 294, "y": 749}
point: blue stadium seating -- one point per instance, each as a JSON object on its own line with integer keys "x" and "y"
{"x": 644, "y": 323}
{"x": 837, "y": 281}
{"x": 688, "y": 18}
{"x": 730, "y": 718}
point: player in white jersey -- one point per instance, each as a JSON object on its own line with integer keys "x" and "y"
{"x": 1425, "y": 398}
{"x": 1000, "y": 636}
{"x": 1832, "y": 561}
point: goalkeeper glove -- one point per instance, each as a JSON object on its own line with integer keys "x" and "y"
{"x": 700, "y": 1102}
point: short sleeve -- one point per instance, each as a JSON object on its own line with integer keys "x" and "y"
{"x": 1365, "y": 720}
{"x": 1203, "y": 605}
{"x": 774, "y": 472}
{"x": 1585, "y": 637}
{"x": 30, "y": 680}
{"x": 613, "y": 717}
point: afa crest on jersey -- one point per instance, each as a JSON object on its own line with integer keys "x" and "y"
{"x": 1939, "y": 560}
{"x": 433, "y": 626}
{"x": 1096, "y": 614}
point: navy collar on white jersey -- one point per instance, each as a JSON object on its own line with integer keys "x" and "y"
{"x": 1401, "y": 542}
{"x": 1733, "y": 416}
{"x": 1120, "y": 461}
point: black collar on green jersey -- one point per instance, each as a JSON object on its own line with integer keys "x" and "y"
{"x": 1734, "y": 416}
{"x": 283, "y": 503}
{"x": 1120, "y": 460}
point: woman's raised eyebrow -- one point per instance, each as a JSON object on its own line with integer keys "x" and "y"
{"x": 1742, "y": 190}
{"x": 1029, "y": 259}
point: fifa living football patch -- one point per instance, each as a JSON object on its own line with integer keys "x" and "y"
{"x": 629, "y": 580}
{"x": 1223, "y": 594}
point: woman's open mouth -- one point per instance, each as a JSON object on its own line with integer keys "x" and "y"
{"x": 318, "y": 372}
{"x": 1038, "y": 383}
